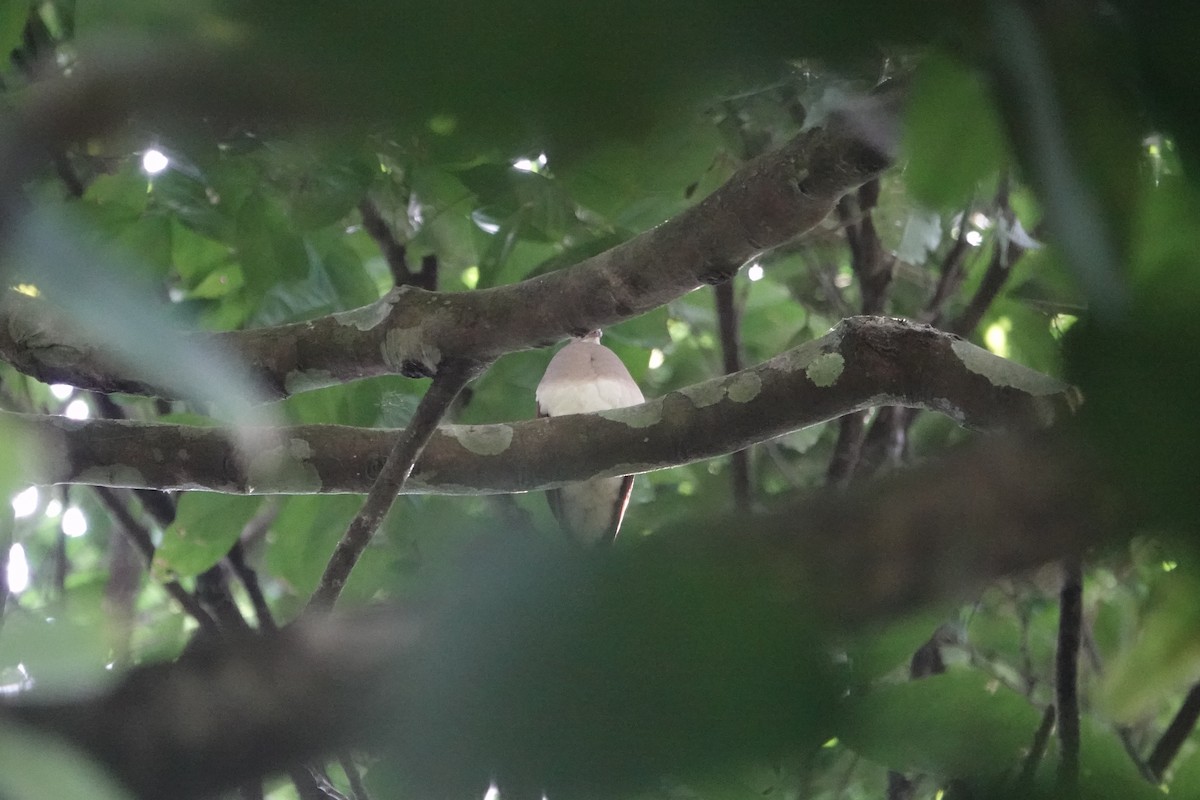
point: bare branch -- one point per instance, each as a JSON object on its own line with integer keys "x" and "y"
{"x": 451, "y": 378}
{"x": 731, "y": 357}
{"x": 509, "y": 616}
{"x": 1041, "y": 740}
{"x": 140, "y": 537}
{"x": 394, "y": 253}
{"x": 769, "y": 201}
{"x": 1066, "y": 675}
{"x": 863, "y": 362}
{"x": 1176, "y": 734}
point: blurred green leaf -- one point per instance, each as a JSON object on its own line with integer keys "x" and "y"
{"x": 959, "y": 724}
{"x": 206, "y": 525}
{"x": 195, "y": 256}
{"x": 13, "y": 14}
{"x": 303, "y": 536}
{"x": 344, "y": 269}
{"x": 34, "y": 766}
{"x": 1165, "y": 659}
{"x": 953, "y": 138}
{"x": 268, "y": 249}
{"x": 59, "y": 656}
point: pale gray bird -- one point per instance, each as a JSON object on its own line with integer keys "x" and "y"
{"x": 583, "y": 377}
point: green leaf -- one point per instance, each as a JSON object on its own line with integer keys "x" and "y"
{"x": 448, "y": 228}
{"x": 879, "y": 650}
{"x": 125, "y": 189}
{"x": 34, "y": 766}
{"x": 303, "y": 537}
{"x": 268, "y": 249}
{"x": 22, "y": 453}
{"x": 193, "y": 255}
{"x": 148, "y": 241}
{"x": 638, "y": 182}
{"x": 648, "y": 330}
{"x": 344, "y": 269}
{"x": 218, "y": 283}
{"x": 206, "y": 525}
{"x": 13, "y": 15}
{"x": 959, "y": 724}
{"x": 1166, "y": 656}
{"x": 58, "y": 654}
{"x": 321, "y": 184}
{"x": 190, "y": 200}
{"x": 952, "y": 135}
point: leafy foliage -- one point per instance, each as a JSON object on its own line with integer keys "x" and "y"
{"x": 1045, "y": 203}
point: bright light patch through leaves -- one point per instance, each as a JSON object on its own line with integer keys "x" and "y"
{"x": 25, "y": 503}
{"x": 656, "y": 359}
{"x": 17, "y": 573}
{"x": 531, "y": 164}
{"x": 755, "y": 272}
{"x": 74, "y": 523}
{"x": 77, "y": 409}
{"x": 154, "y": 161}
{"x": 996, "y": 338}
{"x": 54, "y": 508}
{"x": 61, "y": 391}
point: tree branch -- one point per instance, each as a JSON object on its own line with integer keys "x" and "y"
{"x": 140, "y": 537}
{"x": 1041, "y": 740}
{"x": 862, "y": 362}
{"x": 1181, "y": 727}
{"x": 526, "y": 627}
{"x": 873, "y": 269}
{"x": 731, "y": 357}
{"x": 769, "y": 201}
{"x": 394, "y": 253}
{"x": 1066, "y": 675}
{"x": 452, "y": 376}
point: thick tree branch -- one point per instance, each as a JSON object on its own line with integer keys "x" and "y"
{"x": 769, "y": 201}
{"x": 526, "y": 628}
{"x": 863, "y": 362}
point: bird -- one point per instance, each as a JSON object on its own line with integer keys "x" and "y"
{"x": 583, "y": 377}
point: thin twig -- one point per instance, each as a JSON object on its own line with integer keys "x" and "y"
{"x": 212, "y": 590}
{"x": 951, "y": 273}
{"x": 890, "y": 428}
{"x": 1176, "y": 734}
{"x": 427, "y": 278}
{"x": 357, "y": 788}
{"x": 1037, "y": 750}
{"x": 731, "y": 358}
{"x": 873, "y": 269}
{"x": 140, "y": 537}
{"x": 308, "y": 786}
{"x": 1066, "y": 688}
{"x": 451, "y": 377}
{"x": 1124, "y": 732}
{"x": 6, "y": 542}
{"x": 394, "y": 253}
{"x": 249, "y": 579}
{"x": 847, "y": 449}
